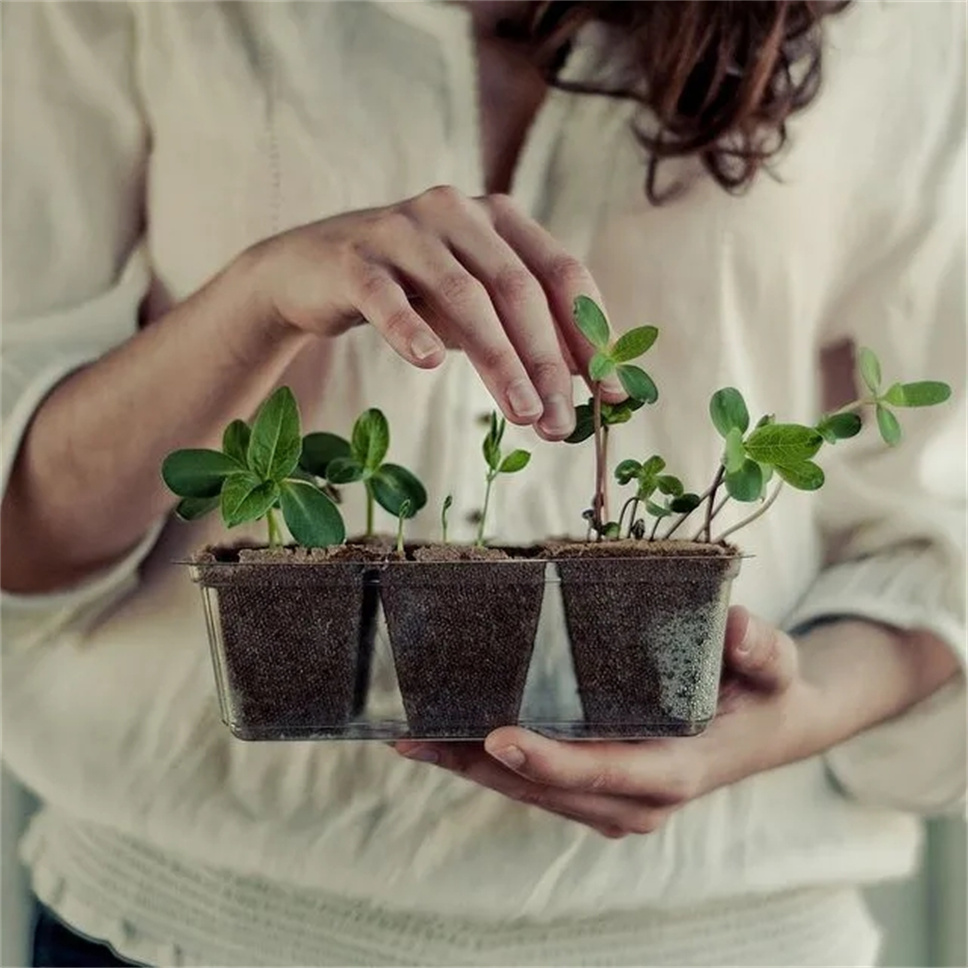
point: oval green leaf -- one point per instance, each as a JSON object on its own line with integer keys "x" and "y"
{"x": 627, "y": 470}
{"x": 245, "y": 497}
{"x": 746, "y": 484}
{"x": 670, "y": 485}
{"x": 924, "y": 393}
{"x": 870, "y": 368}
{"x": 839, "y": 426}
{"x": 634, "y": 343}
{"x": 637, "y": 383}
{"x": 393, "y": 486}
{"x": 734, "y": 453}
{"x": 888, "y": 425}
{"x": 657, "y": 510}
{"x": 235, "y": 441}
{"x": 193, "y": 508}
{"x": 600, "y": 367}
{"x": 371, "y": 438}
{"x": 617, "y": 413}
{"x": 783, "y": 443}
{"x": 318, "y": 449}
{"x": 344, "y": 470}
{"x": 311, "y": 517}
{"x": 805, "y": 476}
{"x": 590, "y": 319}
{"x": 584, "y": 425}
{"x": 727, "y": 408}
{"x": 685, "y": 503}
{"x": 516, "y": 461}
{"x": 197, "y": 472}
{"x": 275, "y": 442}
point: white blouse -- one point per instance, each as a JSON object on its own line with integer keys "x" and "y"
{"x": 147, "y": 144}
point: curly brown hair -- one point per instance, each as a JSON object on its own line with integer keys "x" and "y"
{"x": 717, "y": 79}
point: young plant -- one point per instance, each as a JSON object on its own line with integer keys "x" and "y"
{"x": 340, "y": 461}
{"x": 497, "y": 463}
{"x": 751, "y": 459}
{"x": 444, "y": 512}
{"x": 401, "y": 517}
{"x": 650, "y": 482}
{"x": 255, "y": 473}
{"x": 610, "y": 358}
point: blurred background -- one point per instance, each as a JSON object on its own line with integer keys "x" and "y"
{"x": 924, "y": 918}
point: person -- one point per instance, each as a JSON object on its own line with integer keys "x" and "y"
{"x": 203, "y": 201}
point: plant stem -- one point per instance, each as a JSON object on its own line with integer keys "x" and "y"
{"x": 370, "y": 502}
{"x": 717, "y": 480}
{"x": 855, "y": 405}
{"x": 487, "y": 500}
{"x": 621, "y": 515}
{"x": 601, "y": 442}
{"x": 722, "y": 503}
{"x": 400, "y": 536}
{"x": 655, "y": 527}
{"x": 275, "y": 538}
{"x": 686, "y": 515}
{"x": 762, "y": 509}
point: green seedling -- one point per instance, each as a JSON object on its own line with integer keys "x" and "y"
{"x": 611, "y": 358}
{"x": 752, "y": 458}
{"x": 444, "y": 512}
{"x": 254, "y": 474}
{"x": 401, "y": 517}
{"x": 497, "y": 463}
{"x": 662, "y": 494}
{"x": 361, "y": 458}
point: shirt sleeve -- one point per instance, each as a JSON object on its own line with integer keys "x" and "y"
{"x": 894, "y": 518}
{"x": 75, "y": 269}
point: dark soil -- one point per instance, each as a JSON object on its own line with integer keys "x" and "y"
{"x": 647, "y": 633}
{"x": 292, "y": 654}
{"x": 462, "y": 623}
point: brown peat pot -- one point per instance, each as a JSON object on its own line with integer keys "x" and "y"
{"x": 462, "y": 624}
{"x": 291, "y": 639}
{"x": 646, "y": 626}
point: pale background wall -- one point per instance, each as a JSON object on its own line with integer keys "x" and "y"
{"x": 925, "y": 918}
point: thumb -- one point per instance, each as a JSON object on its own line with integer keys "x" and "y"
{"x": 759, "y": 652}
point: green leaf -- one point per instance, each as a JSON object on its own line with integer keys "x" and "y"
{"x": 616, "y": 413}
{"x": 746, "y": 484}
{"x": 839, "y": 426}
{"x": 634, "y": 343}
{"x": 492, "y": 452}
{"x": 734, "y": 454}
{"x": 393, "y": 486}
{"x": 783, "y": 443}
{"x": 245, "y": 497}
{"x": 653, "y": 466}
{"x": 657, "y": 510}
{"x": 193, "y": 508}
{"x": 805, "y": 476}
{"x": 197, "y": 473}
{"x": 727, "y": 408}
{"x": 601, "y": 366}
{"x": 685, "y": 503}
{"x": 637, "y": 383}
{"x": 235, "y": 441}
{"x": 312, "y": 518}
{"x": 275, "y": 443}
{"x": 888, "y": 425}
{"x": 344, "y": 470}
{"x": 371, "y": 439}
{"x": 767, "y": 470}
{"x": 767, "y": 418}
{"x": 590, "y": 319}
{"x": 670, "y": 485}
{"x": 870, "y": 368}
{"x": 516, "y": 461}
{"x": 627, "y": 470}
{"x": 612, "y": 531}
{"x": 584, "y": 425}
{"x": 319, "y": 449}
{"x": 924, "y": 393}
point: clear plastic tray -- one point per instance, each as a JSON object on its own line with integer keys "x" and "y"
{"x": 573, "y": 649}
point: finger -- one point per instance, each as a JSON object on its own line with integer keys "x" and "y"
{"x": 664, "y": 771}
{"x": 523, "y": 308}
{"x": 428, "y": 265}
{"x": 610, "y": 815}
{"x": 563, "y": 278}
{"x": 758, "y": 652}
{"x": 384, "y": 304}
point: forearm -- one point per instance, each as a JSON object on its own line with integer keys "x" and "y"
{"x": 863, "y": 673}
{"x": 86, "y": 482}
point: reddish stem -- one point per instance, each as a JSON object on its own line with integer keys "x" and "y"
{"x": 600, "y": 507}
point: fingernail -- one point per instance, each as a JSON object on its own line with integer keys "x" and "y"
{"x": 524, "y": 399}
{"x": 422, "y": 753}
{"x": 510, "y": 756}
{"x": 424, "y": 345}
{"x": 559, "y": 415}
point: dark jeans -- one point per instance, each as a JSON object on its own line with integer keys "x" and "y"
{"x": 57, "y": 946}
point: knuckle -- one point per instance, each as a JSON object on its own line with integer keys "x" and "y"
{"x": 457, "y": 287}
{"x": 515, "y": 286}
{"x": 393, "y": 224}
{"x": 445, "y": 197}
{"x": 497, "y": 361}
{"x": 567, "y": 271}
{"x": 500, "y": 203}
{"x": 371, "y": 282}
{"x": 547, "y": 371}
{"x": 600, "y": 781}
{"x": 643, "y": 822}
